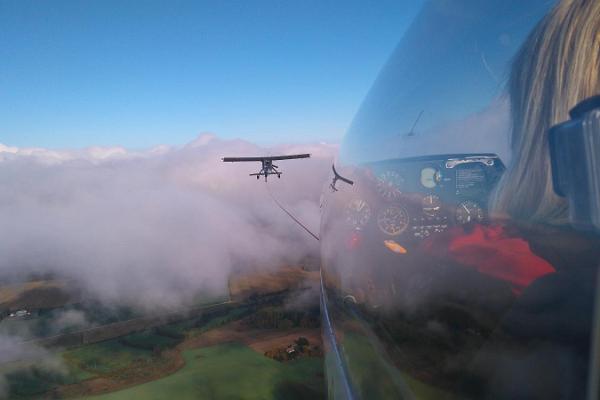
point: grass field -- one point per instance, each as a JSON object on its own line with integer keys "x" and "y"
{"x": 100, "y": 358}
{"x": 232, "y": 371}
{"x": 104, "y": 357}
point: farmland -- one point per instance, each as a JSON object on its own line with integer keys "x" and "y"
{"x": 198, "y": 358}
{"x": 235, "y": 350}
{"x": 232, "y": 370}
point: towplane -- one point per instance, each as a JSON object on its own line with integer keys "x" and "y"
{"x": 268, "y": 168}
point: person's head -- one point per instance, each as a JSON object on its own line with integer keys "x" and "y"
{"x": 557, "y": 67}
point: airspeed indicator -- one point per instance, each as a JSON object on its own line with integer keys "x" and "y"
{"x": 393, "y": 220}
{"x": 469, "y": 212}
{"x": 389, "y": 185}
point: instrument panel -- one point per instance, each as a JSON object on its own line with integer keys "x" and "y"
{"x": 393, "y": 220}
{"x": 423, "y": 196}
{"x": 389, "y": 185}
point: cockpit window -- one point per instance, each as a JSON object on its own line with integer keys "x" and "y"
{"x": 442, "y": 91}
{"x": 432, "y": 286}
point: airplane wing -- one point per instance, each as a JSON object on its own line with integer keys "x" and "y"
{"x": 290, "y": 157}
{"x": 241, "y": 159}
{"x": 238, "y": 159}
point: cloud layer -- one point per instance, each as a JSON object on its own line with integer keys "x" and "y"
{"x": 153, "y": 228}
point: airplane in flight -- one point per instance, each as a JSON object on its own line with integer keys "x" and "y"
{"x": 268, "y": 168}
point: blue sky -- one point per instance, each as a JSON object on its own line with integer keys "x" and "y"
{"x": 142, "y": 73}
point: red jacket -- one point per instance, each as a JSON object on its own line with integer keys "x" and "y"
{"x": 491, "y": 250}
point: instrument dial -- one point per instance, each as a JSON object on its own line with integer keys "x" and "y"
{"x": 389, "y": 185}
{"x": 430, "y": 177}
{"x": 358, "y": 213}
{"x": 431, "y": 205}
{"x": 393, "y": 220}
{"x": 469, "y": 212}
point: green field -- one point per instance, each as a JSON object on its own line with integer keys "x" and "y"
{"x": 27, "y": 381}
{"x": 105, "y": 357}
{"x": 224, "y": 371}
{"x": 232, "y": 371}
{"x": 101, "y": 358}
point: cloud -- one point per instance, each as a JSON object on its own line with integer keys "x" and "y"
{"x": 70, "y": 319}
{"x": 16, "y": 355}
{"x": 153, "y": 228}
{"x": 13, "y": 349}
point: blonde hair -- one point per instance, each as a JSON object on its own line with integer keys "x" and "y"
{"x": 557, "y": 67}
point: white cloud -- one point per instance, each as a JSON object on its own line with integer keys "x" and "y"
{"x": 151, "y": 228}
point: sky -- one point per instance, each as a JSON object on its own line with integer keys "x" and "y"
{"x": 142, "y": 73}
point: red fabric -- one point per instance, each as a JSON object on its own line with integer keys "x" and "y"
{"x": 491, "y": 251}
{"x": 353, "y": 241}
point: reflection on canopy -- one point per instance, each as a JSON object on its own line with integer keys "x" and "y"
{"x": 447, "y": 75}
{"x": 426, "y": 294}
